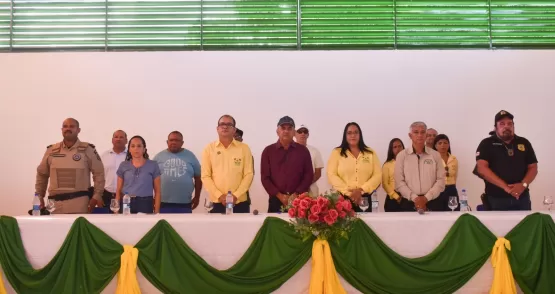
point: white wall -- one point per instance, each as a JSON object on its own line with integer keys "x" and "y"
{"x": 153, "y": 93}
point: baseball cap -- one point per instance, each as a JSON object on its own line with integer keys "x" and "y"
{"x": 303, "y": 127}
{"x": 502, "y": 114}
{"x": 286, "y": 120}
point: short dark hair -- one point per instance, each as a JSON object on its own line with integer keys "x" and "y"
{"x": 177, "y": 133}
{"x": 239, "y": 132}
{"x": 228, "y": 116}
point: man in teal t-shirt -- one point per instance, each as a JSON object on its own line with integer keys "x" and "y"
{"x": 180, "y": 176}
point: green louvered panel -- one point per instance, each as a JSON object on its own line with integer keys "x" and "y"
{"x": 152, "y": 23}
{"x": 5, "y": 14}
{"x": 245, "y": 24}
{"x": 442, "y": 24}
{"x": 529, "y": 23}
{"x": 328, "y": 24}
{"x": 59, "y": 24}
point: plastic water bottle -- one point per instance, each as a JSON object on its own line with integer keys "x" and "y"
{"x": 464, "y": 201}
{"x": 126, "y": 204}
{"x": 36, "y": 204}
{"x": 375, "y": 202}
{"x": 229, "y": 203}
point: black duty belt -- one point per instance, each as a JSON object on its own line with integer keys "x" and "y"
{"x": 68, "y": 196}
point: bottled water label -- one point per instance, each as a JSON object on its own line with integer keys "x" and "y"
{"x": 229, "y": 205}
{"x": 36, "y": 207}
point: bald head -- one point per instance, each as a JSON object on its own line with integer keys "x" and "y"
{"x": 119, "y": 141}
{"x": 70, "y": 129}
{"x": 71, "y": 120}
{"x": 431, "y": 135}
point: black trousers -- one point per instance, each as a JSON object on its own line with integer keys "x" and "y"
{"x": 433, "y": 205}
{"x": 357, "y": 208}
{"x": 391, "y": 205}
{"x": 107, "y": 198}
{"x": 507, "y": 202}
{"x": 242, "y": 207}
{"x": 450, "y": 190}
{"x": 274, "y": 205}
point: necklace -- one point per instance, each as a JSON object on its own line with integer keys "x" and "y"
{"x": 510, "y": 151}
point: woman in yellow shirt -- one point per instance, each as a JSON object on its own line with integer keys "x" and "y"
{"x": 451, "y": 164}
{"x": 354, "y": 168}
{"x": 392, "y": 199}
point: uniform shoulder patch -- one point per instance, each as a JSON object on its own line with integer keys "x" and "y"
{"x": 92, "y": 145}
{"x": 48, "y": 146}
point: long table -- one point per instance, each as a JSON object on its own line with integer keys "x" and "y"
{"x": 408, "y": 234}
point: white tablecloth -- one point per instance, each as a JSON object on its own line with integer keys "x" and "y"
{"x": 208, "y": 234}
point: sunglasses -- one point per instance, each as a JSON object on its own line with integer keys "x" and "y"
{"x": 302, "y": 131}
{"x": 230, "y": 125}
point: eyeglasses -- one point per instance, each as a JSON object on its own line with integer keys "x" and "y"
{"x": 302, "y": 132}
{"x": 447, "y": 171}
{"x": 230, "y": 125}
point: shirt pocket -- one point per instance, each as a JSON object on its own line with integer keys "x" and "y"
{"x": 237, "y": 164}
{"x": 430, "y": 169}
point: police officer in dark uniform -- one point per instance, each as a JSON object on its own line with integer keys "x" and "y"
{"x": 508, "y": 165}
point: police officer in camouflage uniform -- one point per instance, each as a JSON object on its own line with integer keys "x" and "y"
{"x": 68, "y": 165}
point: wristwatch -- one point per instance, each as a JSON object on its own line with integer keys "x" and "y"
{"x": 525, "y": 185}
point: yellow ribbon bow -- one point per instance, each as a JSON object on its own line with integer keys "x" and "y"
{"x": 127, "y": 276}
{"x": 503, "y": 280}
{"x": 2, "y": 289}
{"x": 323, "y": 278}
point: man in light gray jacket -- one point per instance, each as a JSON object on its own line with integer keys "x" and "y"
{"x": 419, "y": 173}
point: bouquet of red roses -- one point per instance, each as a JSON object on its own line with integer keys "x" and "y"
{"x": 328, "y": 216}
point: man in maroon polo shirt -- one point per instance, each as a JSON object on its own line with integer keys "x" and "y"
{"x": 286, "y": 167}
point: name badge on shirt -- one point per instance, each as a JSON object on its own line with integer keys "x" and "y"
{"x": 521, "y": 147}
{"x": 366, "y": 159}
{"x": 428, "y": 161}
{"x": 237, "y": 161}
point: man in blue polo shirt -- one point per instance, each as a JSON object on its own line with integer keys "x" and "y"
{"x": 180, "y": 175}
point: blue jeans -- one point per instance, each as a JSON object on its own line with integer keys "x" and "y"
{"x": 506, "y": 202}
{"x": 140, "y": 204}
{"x": 166, "y": 207}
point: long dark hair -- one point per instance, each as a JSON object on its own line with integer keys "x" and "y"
{"x": 345, "y": 145}
{"x": 128, "y": 157}
{"x": 390, "y": 155}
{"x": 442, "y": 137}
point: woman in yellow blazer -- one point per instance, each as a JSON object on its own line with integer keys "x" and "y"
{"x": 451, "y": 164}
{"x": 354, "y": 168}
{"x": 392, "y": 199}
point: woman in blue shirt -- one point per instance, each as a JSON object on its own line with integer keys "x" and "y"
{"x": 139, "y": 177}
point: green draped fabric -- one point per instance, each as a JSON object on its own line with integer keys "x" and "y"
{"x": 274, "y": 256}
{"x": 89, "y": 259}
{"x": 532, "y": 254}
{"x": 86, "y": 262}
{"x": 369, "y": 265}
